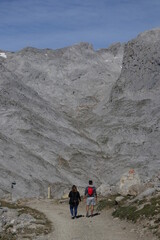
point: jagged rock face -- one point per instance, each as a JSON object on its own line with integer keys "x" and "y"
{"x": 71, "y": 115}
{"x": 47, "y": 97}
{"x": 131, "y": 117}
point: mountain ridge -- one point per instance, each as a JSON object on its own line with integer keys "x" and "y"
{"x": 75, "y": 113}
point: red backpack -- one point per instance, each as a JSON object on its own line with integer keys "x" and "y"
{"x": 90, "y": 191}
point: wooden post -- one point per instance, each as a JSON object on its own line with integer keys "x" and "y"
{"x": 49, "y": 192}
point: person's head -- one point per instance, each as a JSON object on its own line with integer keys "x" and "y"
{"x": 90, "y": 182}
{"x": 74, "y": 188}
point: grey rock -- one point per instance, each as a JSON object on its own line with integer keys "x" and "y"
{"x": 3, "y": 210}
{"x": 1, "y": 227}
{"x": 157, "y": 187}
{"x": 130, "y": 183}
{"x": 146, "y": 193}
{"x": 26, "y": 218}
{"x": 131, "y": 116}
{"x": 3, "y": 221}
{"x": 74, "y": 114}
{"x": 47, "y": 98}
{"x": 119, "y": 199}
{"x": 104, "y": 190}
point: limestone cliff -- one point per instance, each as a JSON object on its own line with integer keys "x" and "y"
{"x": 71, "y": 114}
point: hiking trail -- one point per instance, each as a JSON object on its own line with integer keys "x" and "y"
{"x": 102, "y": 226}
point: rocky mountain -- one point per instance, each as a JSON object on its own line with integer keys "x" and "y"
{"x": 74, "y": 114}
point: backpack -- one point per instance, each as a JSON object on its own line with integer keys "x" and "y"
{"x": 90, "y": 191}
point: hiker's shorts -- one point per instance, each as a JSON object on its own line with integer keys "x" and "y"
{"x": 90, "y": 201}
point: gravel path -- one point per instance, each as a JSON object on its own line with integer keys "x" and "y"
{"x": 102, "y": 227}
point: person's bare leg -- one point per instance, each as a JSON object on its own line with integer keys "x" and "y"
{"x": 92, "y": 209}
{"x": 87, "y": 210}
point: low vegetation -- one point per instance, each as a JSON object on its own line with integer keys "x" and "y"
{"x": 109, "y": 202}
{"x": 43, "y": 225}
{"x": 106, "y": 203}
{"x": 146, "y": 211}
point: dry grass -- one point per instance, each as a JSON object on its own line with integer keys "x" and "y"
{"x": 44, "y": 228}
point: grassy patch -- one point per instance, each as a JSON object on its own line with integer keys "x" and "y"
{"x": 8, "y": 204}
{"x": 133, "y": 212}
{"x": 45, "y": 229}
{"x": 102, "y": 204}
{"x": 106, "y": 203}
{"x": 147, "y": 209}
{"x": 126, "y": 213}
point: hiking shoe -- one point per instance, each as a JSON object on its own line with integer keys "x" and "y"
{"x": 87, "y": 215}
{"x": 72, "y": 217}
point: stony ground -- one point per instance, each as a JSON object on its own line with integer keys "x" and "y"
{"x": 19, "y": 222}
{"x": 102, "y": 226}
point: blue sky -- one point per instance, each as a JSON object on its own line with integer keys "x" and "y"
{"x": 59, "y": 23}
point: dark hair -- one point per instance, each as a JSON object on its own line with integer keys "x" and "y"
{"x": 74, "y": 188}
{"x": 90, "y": 182}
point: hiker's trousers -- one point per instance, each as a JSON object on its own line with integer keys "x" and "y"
{"x": 73, "y": 210}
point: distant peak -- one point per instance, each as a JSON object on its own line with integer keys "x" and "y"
{"x": 30, "y": 49}
{"x": 150, "y": 35}
{"x": 84, "y": 45}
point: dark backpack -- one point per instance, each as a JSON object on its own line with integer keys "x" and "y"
{"x": 90, "y": 191}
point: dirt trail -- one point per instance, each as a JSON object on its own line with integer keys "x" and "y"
{"x": 102, "y": 227}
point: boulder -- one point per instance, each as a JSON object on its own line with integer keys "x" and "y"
{"x": 65, "y": 196}
{"x": 119, "y": 199}
{"x": 130, "y": 183}
{"x": 147, "y": 193}
{"x": 104, "y": 190}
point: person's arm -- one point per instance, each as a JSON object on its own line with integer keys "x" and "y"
{"x": 85, "y": 194}
{"x": 79, "y": 197}
{"x": 69, "y": 195}
{"x": 95, "y": 193}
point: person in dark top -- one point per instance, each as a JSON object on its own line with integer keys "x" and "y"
{"x": 74, "y": 199}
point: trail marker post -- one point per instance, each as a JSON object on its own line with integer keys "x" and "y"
{"x": 49, "y": 192}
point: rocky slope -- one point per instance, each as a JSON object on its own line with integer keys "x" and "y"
{"x": 132, "y": 114}
{"x": 72, "y": 114}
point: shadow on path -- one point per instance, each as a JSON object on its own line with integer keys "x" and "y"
{"x": 79, "y": 216}
{"x": 95, "y": 214}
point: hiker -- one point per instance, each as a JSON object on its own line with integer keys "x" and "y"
{"x": 90, "y": 196}
{"x": 74, "y": 201}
